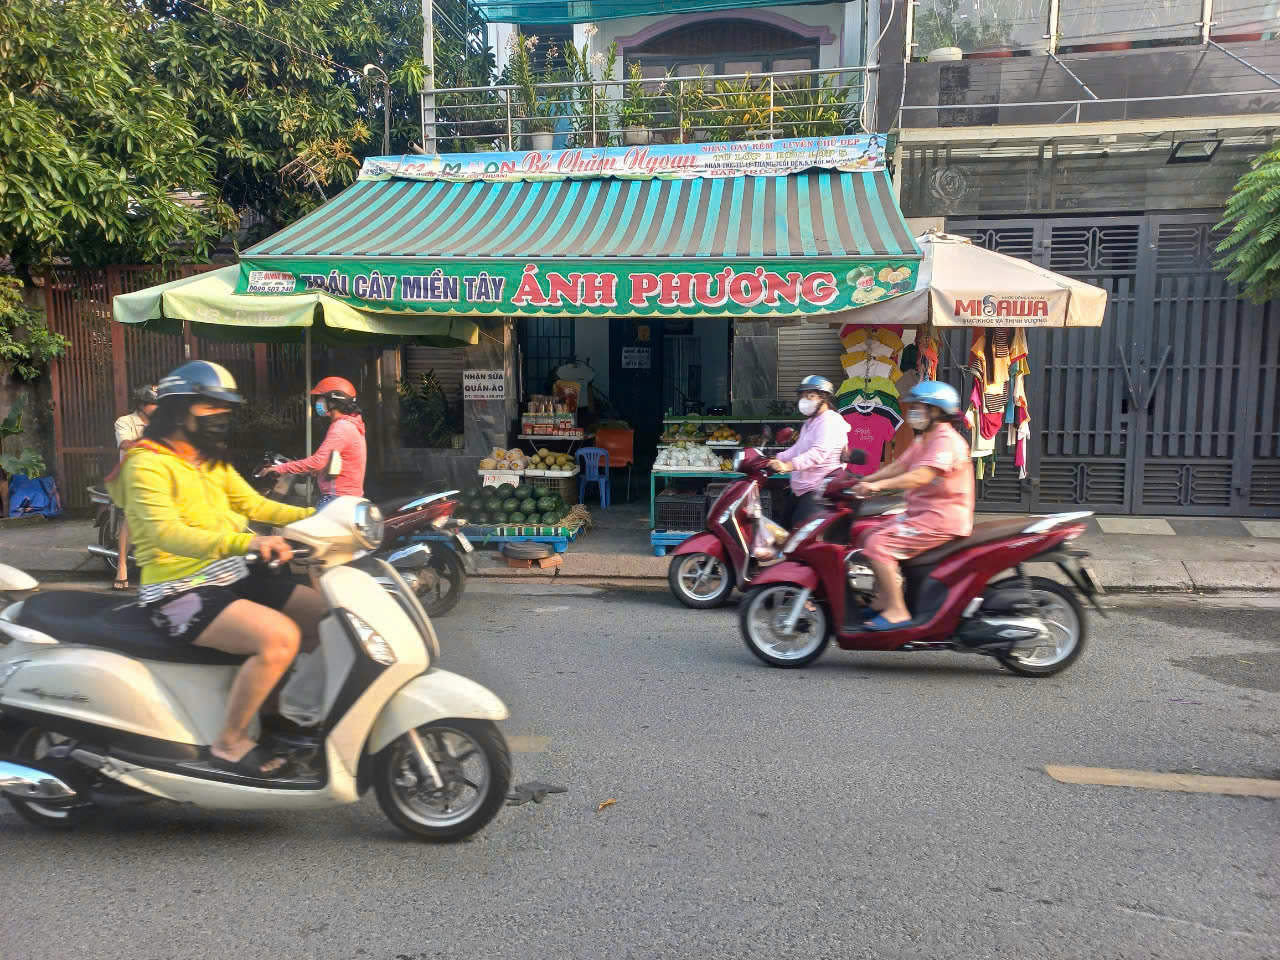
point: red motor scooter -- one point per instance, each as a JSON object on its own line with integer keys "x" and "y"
{"x": 739, "y": 543}
{"x": 1032, "y": 625}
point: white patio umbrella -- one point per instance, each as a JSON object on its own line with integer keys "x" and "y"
{"x": 963, "y": 285}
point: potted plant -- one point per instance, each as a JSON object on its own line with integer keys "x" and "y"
{"x": 634, "y": 112}
{"x": 590, "y": 111}
{"x": 943, "y": 26}
{"x": 741, "y": 109}
{"x": 816, "y": 110}
{"x": 686, "y": 101}
{"x": 538, "y": 113}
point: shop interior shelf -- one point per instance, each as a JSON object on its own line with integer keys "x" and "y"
{"x": 733, "y": 419}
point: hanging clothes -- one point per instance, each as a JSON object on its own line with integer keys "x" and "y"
{"x": 871, "y": 427}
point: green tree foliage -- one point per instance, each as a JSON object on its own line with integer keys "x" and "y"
{"x": 1253, "y": 213}
{"x": 26, "y": 345}
{"x": 93, "y": 144}
{"x": 114, "y": 115}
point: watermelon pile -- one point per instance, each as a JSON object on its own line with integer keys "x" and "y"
{"x": 530, "y": 504}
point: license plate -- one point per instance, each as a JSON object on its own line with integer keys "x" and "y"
{"x": 463, "y": 542}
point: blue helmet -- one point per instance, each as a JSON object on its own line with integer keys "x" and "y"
{"x": 936, "y": 394}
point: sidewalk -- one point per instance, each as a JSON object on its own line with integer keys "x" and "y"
{"x": 1129, "y": 553}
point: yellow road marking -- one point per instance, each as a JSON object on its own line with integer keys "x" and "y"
{"x": 528, "y": 744}
{"x": 1147, "y": 780}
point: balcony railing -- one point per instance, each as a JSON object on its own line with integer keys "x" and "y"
{"x": 717, "y": 108}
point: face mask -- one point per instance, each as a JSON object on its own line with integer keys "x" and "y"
{"x": 807, "y": 406}
{"x": 321, "y": 409}
{"x": 917, "y": 419}
{"x": 210, "y": 434}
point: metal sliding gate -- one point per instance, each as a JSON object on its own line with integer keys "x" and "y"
{"x": 1173, "y": 405}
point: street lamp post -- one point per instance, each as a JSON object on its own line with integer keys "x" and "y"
{"x": 386, "y": 105}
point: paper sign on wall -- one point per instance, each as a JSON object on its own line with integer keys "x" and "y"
{"x": 635, "y": 358}
{"x": 484, "y": 385}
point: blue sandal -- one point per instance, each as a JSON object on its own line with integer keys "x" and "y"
{"x": 880, "y": 624}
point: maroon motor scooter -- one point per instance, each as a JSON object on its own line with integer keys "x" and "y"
{"x": 1033, "y": 625}
{"x": 739, "y": 542}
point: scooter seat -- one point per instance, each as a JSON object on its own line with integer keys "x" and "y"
{"x": 987, "y": 532}
{"x": 93, "y": 620}
{"x": 879, "y": 506}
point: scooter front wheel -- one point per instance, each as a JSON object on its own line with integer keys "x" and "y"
{"x": 763, "y": 619}
{"x": 34, "y": 746}
{"x": 700, "y": 580}
{"x": 474, "y": 765}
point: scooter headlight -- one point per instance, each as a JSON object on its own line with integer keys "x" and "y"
{"x": 369, "y": 524}
{"x": 374, "y": 643}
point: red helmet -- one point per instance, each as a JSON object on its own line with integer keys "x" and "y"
{"x": 335, "y": 387}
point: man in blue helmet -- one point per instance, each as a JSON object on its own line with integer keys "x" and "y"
{"x": 937, "y": 478}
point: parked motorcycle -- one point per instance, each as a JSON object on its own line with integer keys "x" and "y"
{"x": 107, "y": 520}
{"x": 739, "y": 542}
{"x": 105, "y": 710}
{"x": 437, "y": 573}
{"x": 1032, "y": 625}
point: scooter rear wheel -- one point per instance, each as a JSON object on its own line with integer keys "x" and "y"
{"x": 761, "y": 618}
{"x": 441, "y": 592}
{"x": 33, "y": 746}
{"x": 700, "y": 580}
{"x": 1063, "y": 615}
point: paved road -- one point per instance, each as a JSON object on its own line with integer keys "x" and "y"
{"x": 886, "y": 806}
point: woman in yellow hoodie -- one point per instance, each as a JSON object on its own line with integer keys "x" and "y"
{"x": 188, "y": 510}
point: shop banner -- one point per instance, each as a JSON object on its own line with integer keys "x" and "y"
{"x": 861, "y": 153}
{"x": 518, "y": 288}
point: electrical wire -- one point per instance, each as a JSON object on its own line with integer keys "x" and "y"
{"x": 284, "y": 43}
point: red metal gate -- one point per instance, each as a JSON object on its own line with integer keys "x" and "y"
{"x": 105, "y": 360}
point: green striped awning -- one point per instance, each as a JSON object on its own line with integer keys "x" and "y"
{"x": 816, "y": 214}
{"x": 809, "y": 243}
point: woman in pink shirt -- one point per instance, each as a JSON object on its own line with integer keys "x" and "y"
{"x": 335, "y": 398}
{"x": 937, "y": 477}
{"x": 817, "y": 452}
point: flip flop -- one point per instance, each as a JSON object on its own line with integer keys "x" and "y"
{"x": 251, "y": 764}
{"x": 879, "y": 623}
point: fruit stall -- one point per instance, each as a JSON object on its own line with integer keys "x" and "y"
{"x": 523, "y": 508}
{"x": 695, "y": 460}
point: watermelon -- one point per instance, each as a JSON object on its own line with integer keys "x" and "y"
{"x": 500, "y": 517}
{"x": 482, "y": 520}
{"x": 523, "y": 492}
{"x": 511, "y": 503}
{"x": 546, "y": 503}
{"x": 506, "y": 490}
{"x": 534, "y": 518}
{"x": 528, "y": 506}
{"x": 540, "y": 491}
{"x": 516, "y": 517}
{"x": 492, "y": 504}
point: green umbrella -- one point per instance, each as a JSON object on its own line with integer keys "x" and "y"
{"x": 210, "y": 302}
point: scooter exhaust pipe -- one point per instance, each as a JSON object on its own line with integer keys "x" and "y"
{"x": 31, "y": 784}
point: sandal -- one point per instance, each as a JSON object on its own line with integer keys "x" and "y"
{"x": 120, "y": 585}
{"x": 251, "y": 764}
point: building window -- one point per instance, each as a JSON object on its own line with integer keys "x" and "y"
{"x": 724, "y": 47}
{"x": 981, "y": 26}
{"x": 1104, "y": 24}
{"x": 546, "y": 344}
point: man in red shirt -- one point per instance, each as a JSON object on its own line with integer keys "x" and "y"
{"x": 937, "y": 477}
{"x": 335, "y": 398}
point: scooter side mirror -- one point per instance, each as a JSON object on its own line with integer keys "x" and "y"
{"x": 857, "y": 457}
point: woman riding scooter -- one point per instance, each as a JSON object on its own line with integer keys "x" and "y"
{"x": 335, "y": 399}
{"x": 818, "y": 450}
{"x": 187, "y": 509}
{"x": 936, "y": 474}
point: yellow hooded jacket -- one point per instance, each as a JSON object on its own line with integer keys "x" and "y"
{"x": 184, "y": 515}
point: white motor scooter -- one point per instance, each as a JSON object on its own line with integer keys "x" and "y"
{"x": 100, "y": 708}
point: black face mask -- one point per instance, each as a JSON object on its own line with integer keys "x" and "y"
{"x": 210, "y": 435}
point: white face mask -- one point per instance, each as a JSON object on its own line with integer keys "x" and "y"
{"x": 807, "y": 406}
{"x": 917, "y": 418}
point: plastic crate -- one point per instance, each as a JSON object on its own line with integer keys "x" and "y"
{"x": 679, "y": 511}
